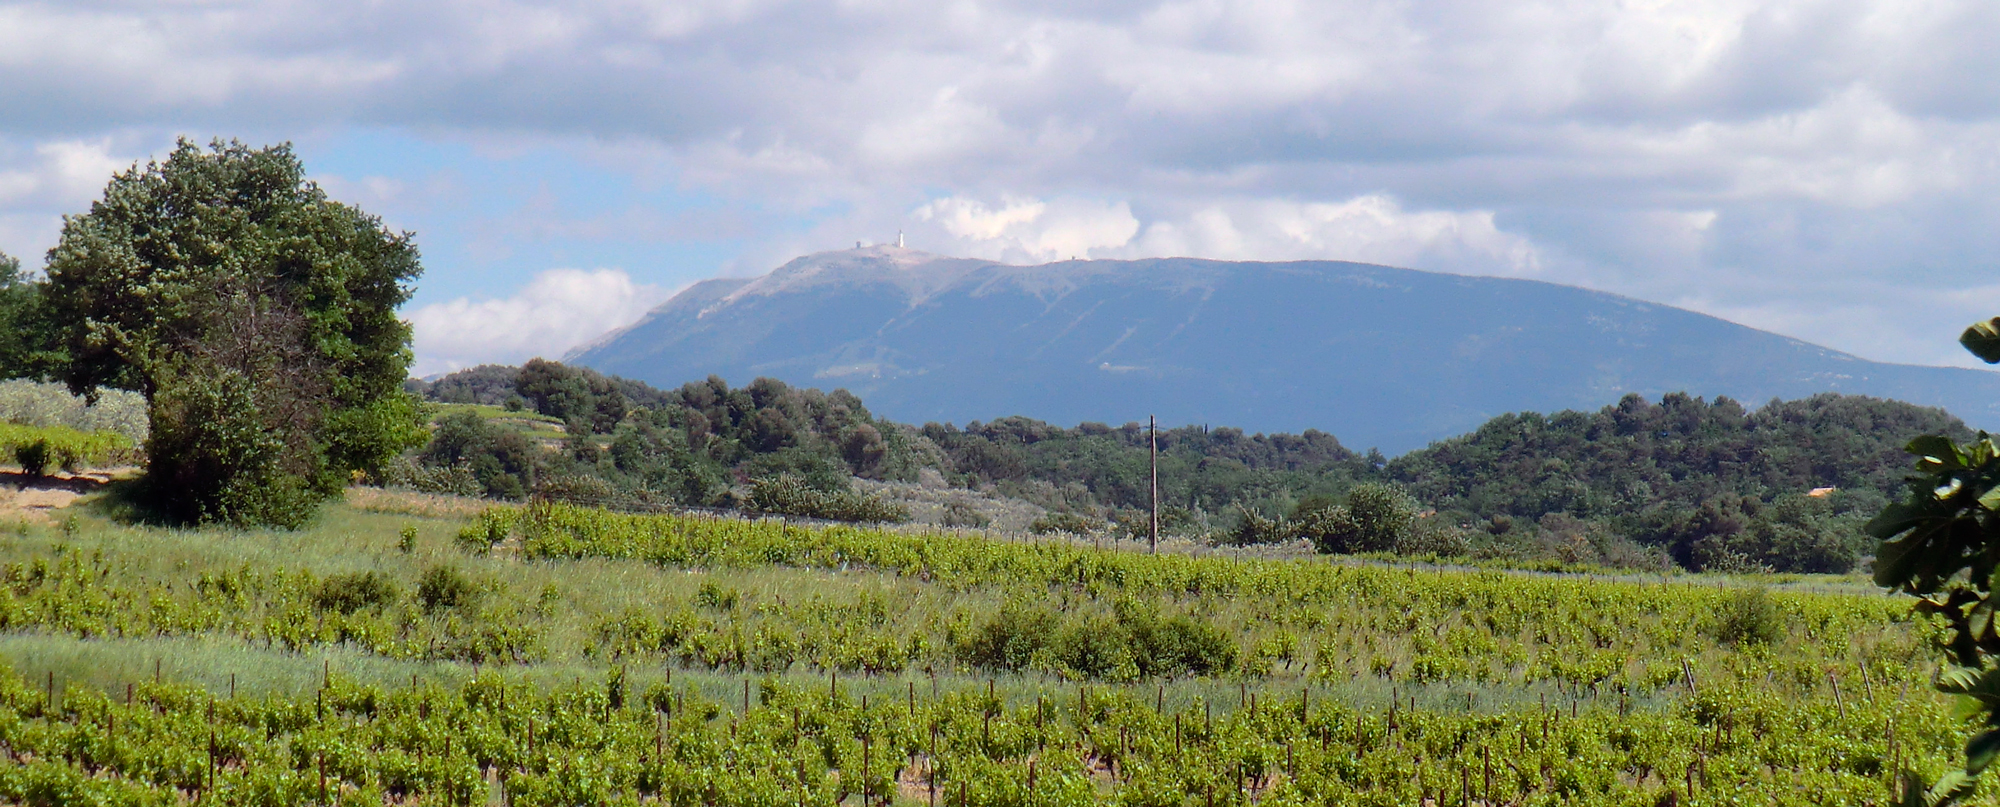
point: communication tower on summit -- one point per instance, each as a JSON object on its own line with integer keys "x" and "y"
{"x": 899, "y": 239}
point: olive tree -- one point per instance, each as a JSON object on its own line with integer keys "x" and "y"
{"x": 258, "y": 319}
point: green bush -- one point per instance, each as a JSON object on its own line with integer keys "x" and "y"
{"x": 791, "y": 496}
{"x": 1749, "y": 617}
{"x": 33, "y": 457}
{"x": 960, "y": 514}
{"x": 1010, "y": 639}
{"x": 1063, "y": 521}
{"x": 1096, "y": 648}
{"x": 1254, "y": 528}
{"x": 348, "y": 593}
{"x": 443, "y": 587}
{"x": 66, "y": 447}
{"x": 1177, "y": 645}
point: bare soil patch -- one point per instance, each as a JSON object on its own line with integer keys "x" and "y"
{"x": 35, "y": 498}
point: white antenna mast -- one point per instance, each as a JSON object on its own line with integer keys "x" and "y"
{"x": 899, "y": 239}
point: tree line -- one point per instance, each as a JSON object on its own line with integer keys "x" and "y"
{"x": 256, "y": 317}
{"x": 1708, "y": 485}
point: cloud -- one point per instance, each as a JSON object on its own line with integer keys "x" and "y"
{"x": 1372, "y": 228}
{"x": 1029, "y": 230}
{"x": 558, "y": 310}
{"x": 1788, "y": 156}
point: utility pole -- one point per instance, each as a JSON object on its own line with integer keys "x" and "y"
{"x": 1153, "y": 431}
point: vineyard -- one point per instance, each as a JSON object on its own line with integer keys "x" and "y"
{"x": 553, "y": 655}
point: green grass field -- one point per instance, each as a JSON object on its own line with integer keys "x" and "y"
{"x": 407, "y": 649}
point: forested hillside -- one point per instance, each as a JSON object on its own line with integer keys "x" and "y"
{"x": 1711, "y": 482}
{"x": 1707, "y": 485}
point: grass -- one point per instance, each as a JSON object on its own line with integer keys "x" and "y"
{"x": 1508, "y": 644}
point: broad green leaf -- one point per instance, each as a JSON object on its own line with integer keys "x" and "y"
{"x": 1894, "y": 559}
{"x": 1939, "y": 448}
{"x": 1991, "y": 500}
{"x": 1983, "y": 340}
{"x": 1893, "y": 521}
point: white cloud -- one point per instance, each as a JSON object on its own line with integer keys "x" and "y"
{"x": 1371, "y": 229}
{"x": 1030, "y": 230}
{"x": 558, "y": 310}
{"x": 1720, "y": 151}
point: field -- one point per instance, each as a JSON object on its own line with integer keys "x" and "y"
{"x": 414, "y": 649}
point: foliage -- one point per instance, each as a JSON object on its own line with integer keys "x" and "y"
{"x": 737, "y": 662}
{"x": 1700, "y": 480}
{"x": 1941, "y": 544}
{"x": 64, "y": 447}
{"x": 35, "y": 403}
{"x": 445, "y": 586}
{"x": 503, "y": 463}
{"x": 1749, "y": 617}
{"x": 33, "y": 457}
{"x": 348, "y": 593}
{"x": 27, "y": 343}
{"x": 1056, "y": 521}
{"x": 792, "y": 496}
{"x": 257, "y": 317}
{"x": 1711, "y": 486}
{"x": 960, "y": 514}
{"x": 1095, "y": 466}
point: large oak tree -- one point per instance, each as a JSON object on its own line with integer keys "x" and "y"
{"x": 258, "y": 318}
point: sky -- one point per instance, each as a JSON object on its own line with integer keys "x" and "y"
{"x": 1825, "y": 169}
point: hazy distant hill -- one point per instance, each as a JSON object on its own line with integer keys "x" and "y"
{"x": 1378, "y": 356}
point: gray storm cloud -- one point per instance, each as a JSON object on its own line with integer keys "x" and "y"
{"x": 1819, "y": 167}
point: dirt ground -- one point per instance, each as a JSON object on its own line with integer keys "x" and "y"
{"x": 34, "y": 499}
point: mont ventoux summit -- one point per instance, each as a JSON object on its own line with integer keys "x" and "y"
{"x": 1378, "y": 356}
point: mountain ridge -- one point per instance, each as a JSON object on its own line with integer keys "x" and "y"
{"x": 1378, "y": 355}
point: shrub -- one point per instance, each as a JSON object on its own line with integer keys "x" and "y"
{"x": 1177, "y": 645}
{"x": 791, "y": 496}
{"x": 1435, "y": 540}
{"x": 65, "y": 447}
{"x": 406, "y": 540}
{"x": 1749, "y": 617}
{"x": 485, "y": 532}
{"x": 960, "y": 514}
{"x": 589, "y": 491}
{"x": 716, "y": 597}
{"x": 443, "y": 587}
{"x": 1010, "y": 639}
{"x": 348, "y": 593}
{"x": 1253, "y": 527}
{"x": 1064, "y": 521}
{"x": 1095, "y": 648}
{"x": 33, "y": 457}
{"x": 1382, "y": 515}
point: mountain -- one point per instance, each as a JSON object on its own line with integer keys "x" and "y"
{"x": 1379, "y": 356}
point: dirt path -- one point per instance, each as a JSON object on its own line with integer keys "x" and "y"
{"x": 34, "y": 499}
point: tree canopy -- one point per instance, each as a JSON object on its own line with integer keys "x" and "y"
{"x": 256, "y": 315}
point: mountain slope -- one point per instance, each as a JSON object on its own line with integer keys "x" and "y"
{"x": 1378, "y": 356}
